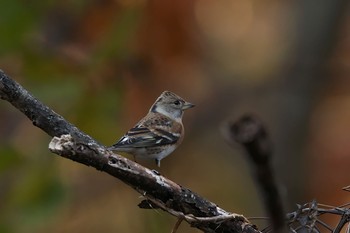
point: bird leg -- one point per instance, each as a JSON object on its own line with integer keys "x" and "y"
{"x": 157, "y": 162}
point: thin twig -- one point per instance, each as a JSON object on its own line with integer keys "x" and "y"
{"x": 177, "y": 224}
{"x": 324, "y": 225}
{"x": 194, "y": 219}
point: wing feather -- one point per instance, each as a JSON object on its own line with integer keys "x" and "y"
{"x": 144, "y": 137}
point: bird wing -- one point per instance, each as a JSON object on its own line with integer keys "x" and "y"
{"x": 139, "y": 136}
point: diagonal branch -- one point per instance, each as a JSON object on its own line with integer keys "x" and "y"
{"x": 69, "y": 142}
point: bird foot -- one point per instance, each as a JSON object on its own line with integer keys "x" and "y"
{"x": 156, "y": 172}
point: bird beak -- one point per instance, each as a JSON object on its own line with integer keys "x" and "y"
{"x": 187, "y": 105}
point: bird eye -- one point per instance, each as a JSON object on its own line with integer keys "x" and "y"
{"x": 176, "y": 102}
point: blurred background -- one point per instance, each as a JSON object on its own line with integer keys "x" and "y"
{"x": 102, "y": 63}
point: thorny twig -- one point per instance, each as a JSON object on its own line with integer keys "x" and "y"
{"x": 252, "y": 135}
{"x": 307, "y": 218}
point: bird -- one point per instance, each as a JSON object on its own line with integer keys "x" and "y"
{"x": 159, "y": 133}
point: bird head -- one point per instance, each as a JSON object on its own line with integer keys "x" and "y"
{"x": 171, "y": 105}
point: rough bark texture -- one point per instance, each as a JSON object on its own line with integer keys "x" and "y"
{"x": 159, "y": 192}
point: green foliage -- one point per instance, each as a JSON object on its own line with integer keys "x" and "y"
{"x": 9, "y": 159}
{"x": 31, "y": 192}
{"x": 16, "y": 21}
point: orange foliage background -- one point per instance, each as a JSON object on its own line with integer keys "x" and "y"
{"x": 101, "y": 64}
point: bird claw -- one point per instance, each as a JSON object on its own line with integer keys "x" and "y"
{"x": 156, "y": 172}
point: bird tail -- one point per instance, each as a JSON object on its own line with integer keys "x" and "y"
{"x": 112, "y": 148}
{"x": 118, "y": 148}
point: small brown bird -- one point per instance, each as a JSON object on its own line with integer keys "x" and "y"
{"x": 159, "y": 133}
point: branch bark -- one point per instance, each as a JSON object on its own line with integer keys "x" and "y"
{"x": 69, "y": 142}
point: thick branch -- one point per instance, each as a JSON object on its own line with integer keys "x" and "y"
{"x": 71, "y": 143}
{"x": 41, "y": 115}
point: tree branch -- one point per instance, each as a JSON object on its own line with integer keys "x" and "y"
{"x": 71, "y": 143}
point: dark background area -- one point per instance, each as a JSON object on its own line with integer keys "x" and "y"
{"x": 101, "y": 64}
